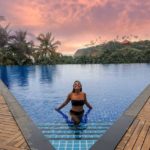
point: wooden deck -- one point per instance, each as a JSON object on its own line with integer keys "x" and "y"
{"x": 11, "y": 137}
{"x": 137, "y": 136}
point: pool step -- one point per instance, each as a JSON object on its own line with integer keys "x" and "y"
{"x": 94, "y": 126}
{"x": 64, "y": 131}
{"x": 64, "y": 123}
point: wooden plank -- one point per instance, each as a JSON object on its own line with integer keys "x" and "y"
{"x": 3, "y": 106}
{"x": 3, "y": 125}
{"x": 5, "y": 135}
{"x": 5, "y": 113}
{"x": 19, "y": 143}
{"x": 11, "y": 137}
{"x": 24, "y": 145}
{"x": 7, "y": 131}
{"x": 127, "y": 135}
{"x": 134, "y": 136}
{"x": 6, "y": 117}
{"x": 16, "y": 140}
{"x": 146, "y": 145}
{"x": 141, "y": 138}
{"x": 8, "y": 120}
{"x": 6, "y": 147}
{"x": 2, "y": 139}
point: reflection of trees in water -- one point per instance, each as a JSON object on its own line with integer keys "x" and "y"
{"x": 19, "y": 74}
{"x": 47, "y": 73}
{"x": 4, "y": 75}
{"x": 23, "y": 73}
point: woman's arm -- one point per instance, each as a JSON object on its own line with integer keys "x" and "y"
{"x": 86, "y": 102}
{"x": 65, "y": 102}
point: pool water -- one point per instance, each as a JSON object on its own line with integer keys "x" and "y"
{"x": 110, "y": 90}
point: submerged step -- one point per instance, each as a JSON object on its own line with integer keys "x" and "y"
{"x": 74, "y": 128}
{"x": 73, "y": 131}
{"x": 69, "y": 137}
{"x": 64, "y": 123}
{"x": 65, "y": 126}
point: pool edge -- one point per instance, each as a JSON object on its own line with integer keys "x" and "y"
{"x": 114, "y": 134}
{"x": 31, "y": 133}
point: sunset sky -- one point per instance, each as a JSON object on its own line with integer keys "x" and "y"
{"x": 78, "y": 22}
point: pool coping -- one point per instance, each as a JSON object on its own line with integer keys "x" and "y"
{"x": 33, "y": 136}
{"x": 114, "y": 134}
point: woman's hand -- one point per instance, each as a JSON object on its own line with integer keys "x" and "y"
{"x": 90, "y": 107}
{"x": 87, "y": 103}
{"x": 57, "y": 109}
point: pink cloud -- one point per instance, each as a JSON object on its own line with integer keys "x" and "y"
{"x": 76, "y": 23}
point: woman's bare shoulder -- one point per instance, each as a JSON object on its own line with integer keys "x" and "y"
{"x": 83, "y": 93}
{"x": 70, "y": 94}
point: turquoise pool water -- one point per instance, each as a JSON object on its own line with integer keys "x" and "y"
{"x": 109, "y": 88}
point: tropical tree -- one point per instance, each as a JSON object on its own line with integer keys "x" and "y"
{"x": 21, "y": 48}
{"x": 5, "y": 54}
{"x": 4, "y": 36}
{"x": 47, "y": 49}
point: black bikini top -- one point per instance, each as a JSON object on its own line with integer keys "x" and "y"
{"x": 77, "y": 102}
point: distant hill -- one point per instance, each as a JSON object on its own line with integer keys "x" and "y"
{"x": 114, "y": 48}
{"x": 90, "y": 51}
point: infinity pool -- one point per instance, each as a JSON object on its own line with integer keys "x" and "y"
{"x": 109, "y": 88}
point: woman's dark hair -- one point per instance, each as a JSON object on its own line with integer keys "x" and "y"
{"x": 73, "y": 91}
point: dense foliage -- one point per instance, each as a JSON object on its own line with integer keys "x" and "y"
{"x": 116, "y": 52}
{"x": 16, "y": 50}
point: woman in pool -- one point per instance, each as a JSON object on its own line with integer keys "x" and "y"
{"x": 78, "y": 99}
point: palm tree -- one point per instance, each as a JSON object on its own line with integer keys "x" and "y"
{"x": 5, "y": 53}
{"x": 48, "y": 46}
{"x": 21, "y": 48}
{"x": 4, "y": 36}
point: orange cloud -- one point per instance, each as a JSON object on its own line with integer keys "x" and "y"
{"x": 78, "y": 22}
